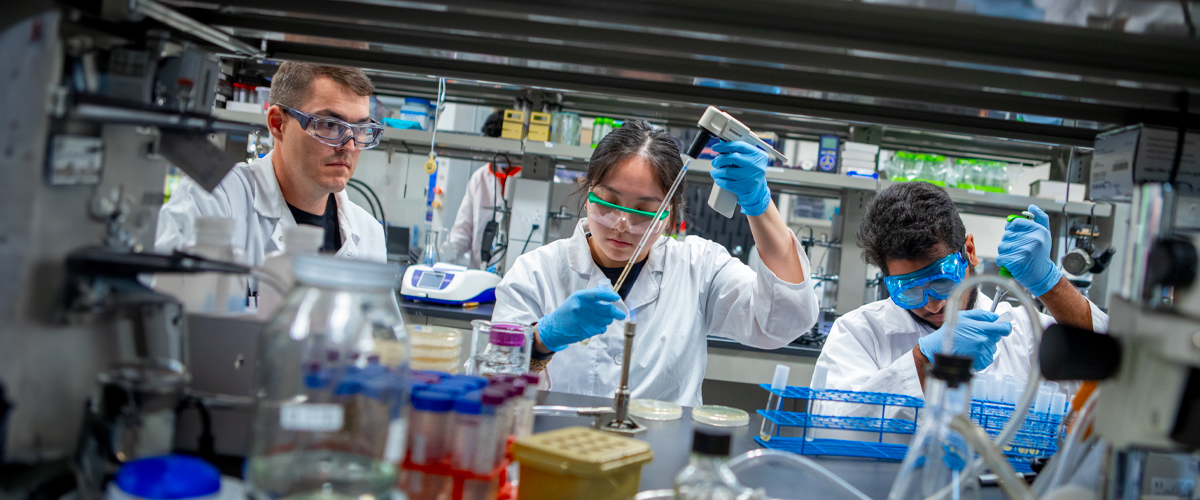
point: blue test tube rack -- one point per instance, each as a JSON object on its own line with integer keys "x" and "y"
{"x": 1037, "y": 437}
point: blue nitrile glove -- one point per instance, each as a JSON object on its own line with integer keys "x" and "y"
{"x": 1025, "y": 252}
{"x": 742, "y": 170}
{"x": 585, "y": 314}
{"x": 975, "y": 336}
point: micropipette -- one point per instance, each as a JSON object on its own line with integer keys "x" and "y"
{"x": 1004, "y": 272}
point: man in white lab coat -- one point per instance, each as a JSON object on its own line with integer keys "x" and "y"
{"x": 320, "y": 122}
{"x": 913, "y": 232}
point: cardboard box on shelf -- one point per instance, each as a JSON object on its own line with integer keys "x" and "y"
{"x": 1056, "y": 190}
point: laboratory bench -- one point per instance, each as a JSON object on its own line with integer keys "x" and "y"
{"x": 672, "y": 440}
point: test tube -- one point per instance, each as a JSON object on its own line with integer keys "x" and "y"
{"x": 483, "y": 461}
{"x": 426, "y": 440}
{"x": 1058, "y": 404}
{"x": 1042, "y": 403}
{"x": 519, "y": 416}
{"x": 528, "y": 401}
{"x": 778, "y": 383}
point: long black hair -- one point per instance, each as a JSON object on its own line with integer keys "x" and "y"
{"x": 638, "y": 138}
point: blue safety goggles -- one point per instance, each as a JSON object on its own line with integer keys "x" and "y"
{"x": 913, "y": 290}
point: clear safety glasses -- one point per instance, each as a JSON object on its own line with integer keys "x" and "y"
{"x": 334, "y": 132}
{"x": 913, "y": 290}
{"x": 610, "y": 215}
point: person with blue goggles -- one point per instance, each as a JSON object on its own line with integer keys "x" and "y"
{"x": 912, "y": 231}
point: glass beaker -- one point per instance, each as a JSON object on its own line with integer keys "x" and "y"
{"x": 332, "y": 377}
{"x": 499, "y": 348}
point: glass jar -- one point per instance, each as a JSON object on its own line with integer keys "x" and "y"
{"x": 507, "y": 349}
{"x": 912, "y": 167}
{"x": 898, "y": 166}
{"x": 997, "y": 177}
{"x": 934, "y": 169}
{"x": 964, "y": 173}
{"x": 332, "y": 371}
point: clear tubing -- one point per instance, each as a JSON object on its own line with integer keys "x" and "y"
{"x": 754, "y": 458}
{"x": 1012, "y": 485}
{"x": 1031, "y": 385}
{"x": 1083, "y": 421}
{"x": 653, "y": 229}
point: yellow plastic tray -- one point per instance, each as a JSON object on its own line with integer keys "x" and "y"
{"x": 580, "y": 463}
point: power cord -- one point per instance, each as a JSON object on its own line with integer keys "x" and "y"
{"x": 530, "y": 237}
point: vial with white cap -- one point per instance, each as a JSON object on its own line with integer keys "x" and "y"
{"x": 778, "y": 383}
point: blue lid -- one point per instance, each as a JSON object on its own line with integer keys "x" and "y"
{"x": 428, "y": 400}
{"x": 169, "y": 477}
{"x": 417, "y": 100}
{"x": 480, "y": 382}
{"x": 468, "y": 404}
{"x": 351, "y": 382}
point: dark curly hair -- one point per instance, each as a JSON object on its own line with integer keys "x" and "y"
{"x": 906, "y": 221}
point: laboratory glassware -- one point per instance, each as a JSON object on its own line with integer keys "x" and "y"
{"x": 706, "y": 476}
{"x": 431, "y": 256}
{"x": 499, "y": 348}
{"x": 297, "y": 240}
{"x": 565, "y": 128}
{"x": 774, "y": 401}
{"x": 332, "y": 372}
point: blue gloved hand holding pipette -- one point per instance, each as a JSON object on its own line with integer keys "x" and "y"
{"x": 975, "y": 336}
{"x": 585, "y": 314}
{"x": 742, "y": 170}
{"x": 1025, "y": 252}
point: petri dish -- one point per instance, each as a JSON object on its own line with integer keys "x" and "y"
{"x": 650, "y": 409}
{"x": 720, "y": 416}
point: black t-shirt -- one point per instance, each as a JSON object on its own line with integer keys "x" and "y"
{"x": 327, "y": 221}
{"x": 612, "y": 273}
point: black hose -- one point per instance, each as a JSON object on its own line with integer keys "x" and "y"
{"x": 370, "y": 203}
{"x": 382, "y": 214}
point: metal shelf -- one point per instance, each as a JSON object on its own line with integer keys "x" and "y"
{"x": 418, "y": 141}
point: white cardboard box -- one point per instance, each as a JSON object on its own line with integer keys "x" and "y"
{"x": 1137, "y": 154}
{"x": 1056, "y": 190}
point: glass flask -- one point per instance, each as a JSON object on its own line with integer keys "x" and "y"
{"x": 430, "y": 255}
{"x": 332, "y": 375}
{"x": 938, "y": 455}
{"x": 706, "y": 476}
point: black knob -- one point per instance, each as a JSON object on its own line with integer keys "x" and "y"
{"x": 1069, "y": 353}
{"x": 1172, "y": 262}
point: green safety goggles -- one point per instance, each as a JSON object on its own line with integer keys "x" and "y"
{"x": 611, "y": 214}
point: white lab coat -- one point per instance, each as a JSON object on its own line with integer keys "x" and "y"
{"x": 250, "y": 196}
{"x": 478, "y": 207}
{"x": 869, "y": 350}
{"x": 687, "y": 290}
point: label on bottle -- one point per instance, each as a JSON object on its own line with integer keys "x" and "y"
{"x": 393, "y": 452}
{"x": 311, "y": 417}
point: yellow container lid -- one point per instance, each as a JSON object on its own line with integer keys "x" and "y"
{"x": 580, "y": 451}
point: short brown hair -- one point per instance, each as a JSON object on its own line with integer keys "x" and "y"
{"x": 292, "y": 82}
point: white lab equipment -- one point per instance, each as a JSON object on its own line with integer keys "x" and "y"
{"x": 728, "y": 128}
{"x": 448, "y": 284}
{"x": 297, "y": 240}
{"x": 215, "y": 293}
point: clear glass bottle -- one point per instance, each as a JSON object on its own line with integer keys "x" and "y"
{"x": 706, "y": 476}
{"x": 332, "y": 376}
{"x": 430, "y": 255}
{"x": 507, "y": 350}
{"x": 213, "y": 293}
{"x": 938, "y": 455}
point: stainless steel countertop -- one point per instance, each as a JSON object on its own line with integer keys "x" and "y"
{"x": 671, "y": 442}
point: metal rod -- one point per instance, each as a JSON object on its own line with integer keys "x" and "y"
{"x": 621, "y": 401}
{"x": 170, "y": 17}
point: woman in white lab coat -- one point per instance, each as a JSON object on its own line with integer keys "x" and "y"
{"x": 679, "y": 291}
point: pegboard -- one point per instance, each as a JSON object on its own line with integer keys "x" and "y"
{"x": 733, "y": 233}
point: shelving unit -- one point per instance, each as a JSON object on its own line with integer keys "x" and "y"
{"x": 472, "y": 146}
